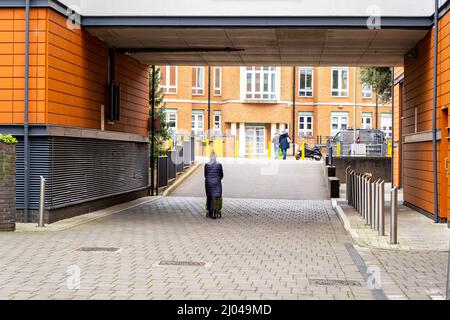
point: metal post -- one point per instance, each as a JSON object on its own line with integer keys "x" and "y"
{"x": 369, "y": 200}
{"x": 381, "y": 222}
{"x": 347, "y": 189}
{"x": 209, "y": 101}
{"x": 358, "y": 188}
{"x": 26, "y": 143}
{"x": 372, "y": 202}
{"x": 376, "y": 216}
{"x": 152, "y": 142}
{"x": 434, "y": 129}
{"x": 41, "y": 202}
{"x": 448, "y": 277}
{"x": 394, "y": 213}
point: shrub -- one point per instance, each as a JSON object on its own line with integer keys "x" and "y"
{"x": 7, "y": 139}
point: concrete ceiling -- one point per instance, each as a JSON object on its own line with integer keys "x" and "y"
{"x": 264, "y": 46}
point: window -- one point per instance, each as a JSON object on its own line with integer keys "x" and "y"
{"x": 260, "y": 83}
{"x": 197, "y": 123}
{"x": 366, "y": 91}
{"x": 386, "y": 124}
{"x": 339, "y": 82}
{"x": 217, "y": 81}
{"x": 169, "y": 79}
{"x": 366, "y": 120}
{"x": 171, "y": 120}
{"x": 198, "y": 80}
{"x": 305, "y": 124}
{"x": 306, "y": 82}
{"x": 339, "y": 122}
{"x": 217, "y": 123}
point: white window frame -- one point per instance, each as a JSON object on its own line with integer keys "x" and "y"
{"x": 302, "y": 119}
{"x": 259, "y": 93}
{"x": 365, "y": 116}
{"x": 198, "y": 89}
{"x": 340, "y": 115}
{"x": 168, "y": 114}
{"x": 218, "y": 130}
{"x": 217, "y": 91}
{"x": 167, "y": 85}
{"x": 195, "y": 123}
{"x": 366, "y": 91}
{"x": 387, "y": 129}
{"x": 307, "y": 92}
{"x": 341, "y": 93}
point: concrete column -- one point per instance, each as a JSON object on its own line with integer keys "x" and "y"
{"x": 233, "y": 128}
{"x": 242, "y": 139}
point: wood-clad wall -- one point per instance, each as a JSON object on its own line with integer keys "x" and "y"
{"x": 418, "y": 97}
{"x": 12, "y": 65}
{"x": 68, "y": 75}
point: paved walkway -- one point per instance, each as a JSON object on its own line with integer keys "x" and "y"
{"x": 265, "y": 179}
{"x": 261, "y": 249}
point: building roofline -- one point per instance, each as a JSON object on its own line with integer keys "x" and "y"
{"x": 352, "y": 22}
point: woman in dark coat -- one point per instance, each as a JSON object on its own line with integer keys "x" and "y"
{"x": 213, "y": 186}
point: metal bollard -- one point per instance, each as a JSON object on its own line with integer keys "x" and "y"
{"x": 369, "y": 201}
{"x": 359, "y": 194}
{"x": 366, "y": 196}
{"x": 372, "y": 200}
{"x": 41, "y": 202}
{"x": 381, "y": 222}
{"x": 347, "y": 175}
{"x": 447, "y": 296}
{"x": 363, "y": 206}
{"x": 394, "y": 213}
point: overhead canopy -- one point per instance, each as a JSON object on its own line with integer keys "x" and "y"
{"x": 246, "y": 32}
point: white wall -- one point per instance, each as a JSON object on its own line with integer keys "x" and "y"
{"x": 253, "y": 7}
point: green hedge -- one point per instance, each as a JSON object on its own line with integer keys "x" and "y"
{"x": 7, "y": 139}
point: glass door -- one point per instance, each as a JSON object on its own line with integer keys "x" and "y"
{"x": 255, "y": 138}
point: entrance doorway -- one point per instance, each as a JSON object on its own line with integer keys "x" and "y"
{"x": 255, "y": 137}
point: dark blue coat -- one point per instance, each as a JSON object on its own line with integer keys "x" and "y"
{"x": 284, "y": 143}
{"x": 213, "y": 177}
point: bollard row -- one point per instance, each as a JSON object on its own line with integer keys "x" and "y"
{"x": 366, "y": 195}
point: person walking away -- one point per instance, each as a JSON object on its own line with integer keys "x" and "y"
{"x": 213, "y": 187}
{"x": 276, "y": 144}
{"x": 284, "y": 143}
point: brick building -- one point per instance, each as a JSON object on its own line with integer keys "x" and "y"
{"x": 251, "y": 103}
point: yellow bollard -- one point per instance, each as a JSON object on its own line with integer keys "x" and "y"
{"x": 303, "y": 150}
{"x": 207, "y": 151}
{"x": 338, "y": 149}
{"x": 236, "y": 147}
{"x": 248, "y": 151}
{"x": 170, "y": 144}
{"x": 269, "y": 153}
{"x": 389, "y": 148}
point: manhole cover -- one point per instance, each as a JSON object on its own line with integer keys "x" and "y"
{"x": 181, "y": 263}
{"x": 332, "y": 282}
{"x": 98, "y": 249}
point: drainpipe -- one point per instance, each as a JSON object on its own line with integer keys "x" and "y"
{"x": 293, "y": 110}
{"x": 152, "y": 145}
{"x": 392, "y": 124}
{"x": 435, "y": 174}
{"x": 26, "y": 143}
{"x": 355, "y": 70}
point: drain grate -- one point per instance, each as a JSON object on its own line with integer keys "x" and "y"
{"x": 333, "y": 282}
{"x": 98, "y": 249}
{"x": 181, "y": 263}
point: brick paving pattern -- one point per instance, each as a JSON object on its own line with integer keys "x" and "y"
{"x": 261, "y": 249}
